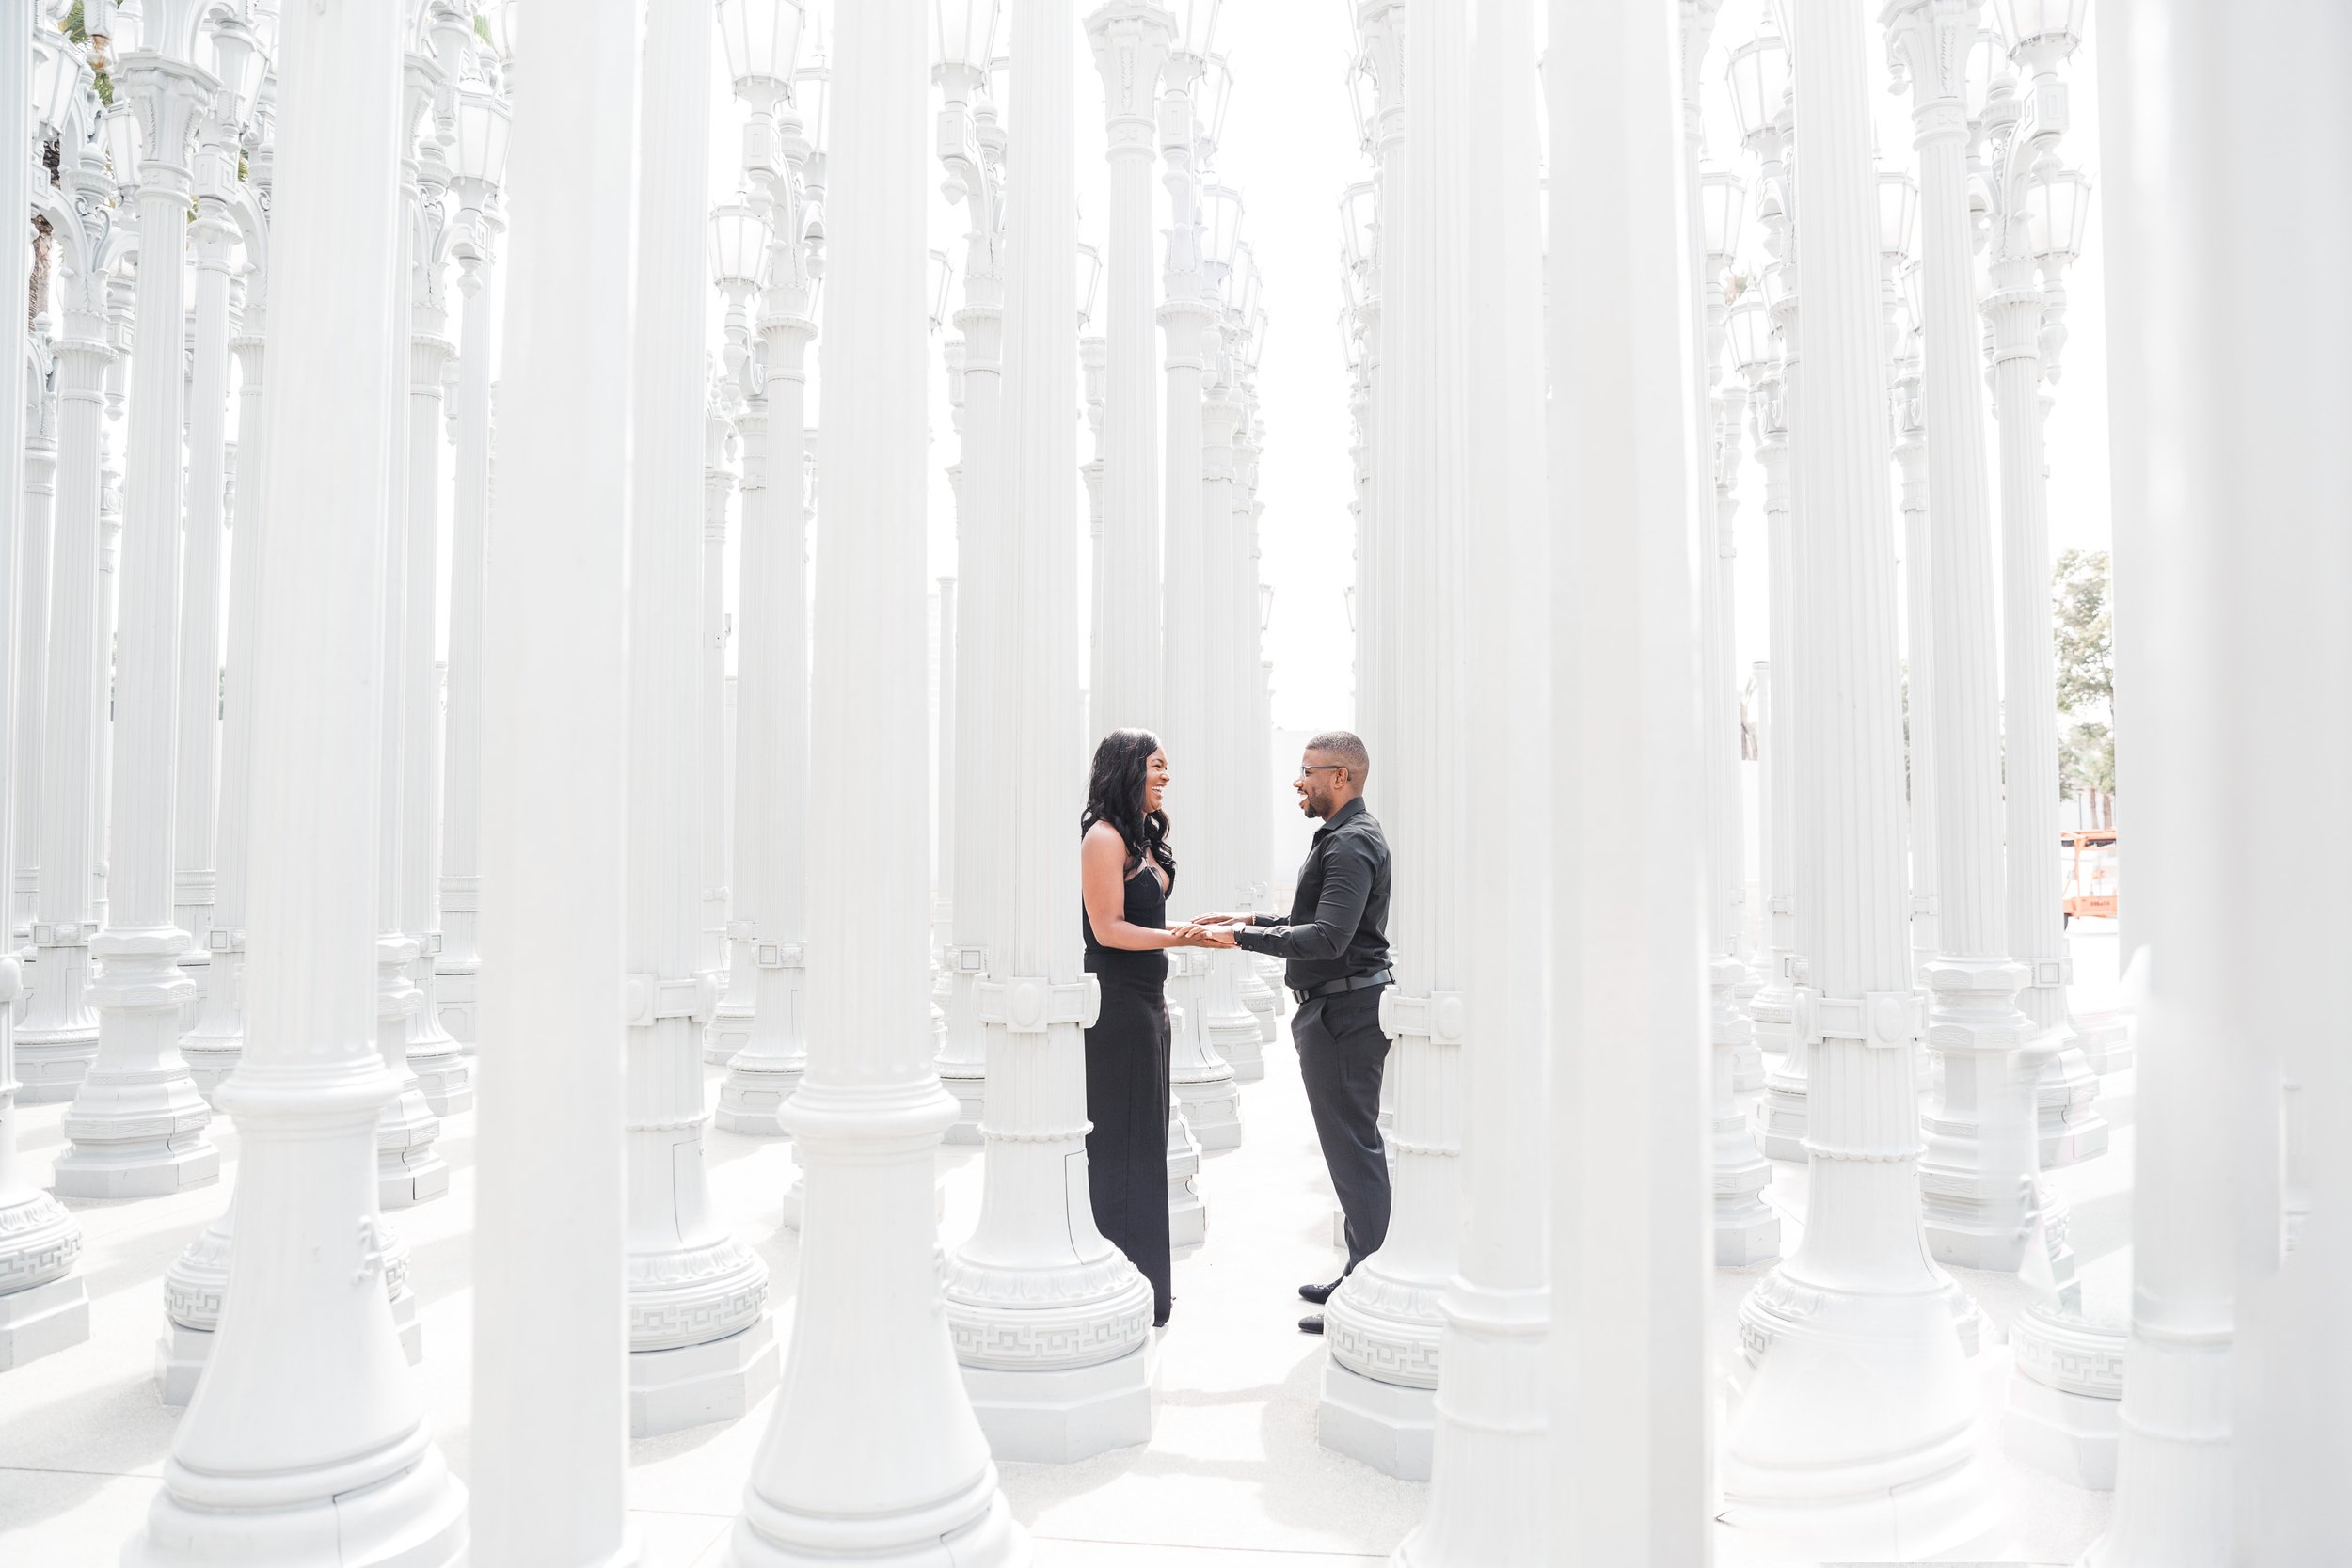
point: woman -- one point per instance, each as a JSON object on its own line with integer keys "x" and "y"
{"x": 1125, "y": 870}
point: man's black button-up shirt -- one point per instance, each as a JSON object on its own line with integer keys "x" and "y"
{"x": 1338, "y": 926}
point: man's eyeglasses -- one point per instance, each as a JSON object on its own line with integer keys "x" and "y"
{"x": 1324, "y": 768}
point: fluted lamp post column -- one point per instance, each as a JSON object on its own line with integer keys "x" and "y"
{"x": 1051, "y": 1323}
{"x": 1854, "y": 1421}
{"x": 872, "y": 1453}
{"x": 550, "y": 1318}
{"x": 762, "y": 39}
{"x": 440, "y": 1061}
{"x": 59, "y": 1034}
{"x": 1747, "y": 1232}
{"x": 213, "y": 1045}
{"x": 772, "y": 748}
{"x": 1385, "y": 1322}
{"x": 1244, "y": 774}
{"x": 1131, "y": 39}
{"x": 1488, "y": 1503}
{"x": 43, "y": 1304}
{"x": 701, "y": 1347}
{"x": 2038, "y": 207}
{"x": 1757, "y": 75}
{"x": 411, "y": 1167}
{"x": 969, "y": 146}
{"x": 1978, "y": 1173}
{"x": 306, "y": 1408}
{"x": 1204, "y": 1080}
{"x": 211, "y": 238}
{"x": 137, "y": 1125}
{"x": 482, "y": 124}
{"x": 1216, "y": 759}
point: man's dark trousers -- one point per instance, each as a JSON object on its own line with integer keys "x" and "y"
{"x": 1342, "y": 1054}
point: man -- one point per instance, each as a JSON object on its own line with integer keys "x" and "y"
{"x": 1335, "y": 953}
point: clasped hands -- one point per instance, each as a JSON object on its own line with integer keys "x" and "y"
{"x": 1208, "y": 930}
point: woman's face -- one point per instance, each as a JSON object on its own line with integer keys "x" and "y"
{"x": 1155, "y": 781}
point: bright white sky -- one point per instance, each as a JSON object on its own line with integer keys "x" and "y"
{"x": 1290, "y": 147}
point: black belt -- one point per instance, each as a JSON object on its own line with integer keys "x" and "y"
{"x": 1354, "y": 982}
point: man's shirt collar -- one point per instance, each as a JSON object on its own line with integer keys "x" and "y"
{"x": 1352, "y": 808}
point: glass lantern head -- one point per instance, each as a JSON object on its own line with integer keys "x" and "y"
{"x": 1089, "y": 282}
{"x": 2024, "y": 23}
{"x": 1351, "y": 295}
{"x": 762, "y": 39}
{"x": 1898, "y": 208}
{"x": 811, "y": 85}
{"x": 2058, "y": 209}
{"x": 121, "y": 128}
{"x": 1210, "y": 96}
{"x": 1912, "y": 277}
{"x": 483, "y": 123}
{"x": 942, "y": 278}
{"x": 237, "y": 64}
{"x": 739, "y": 244}
{"x": 1265, "y": 605}
{"x": 1748, "y": 327}
{"x": 1757, "y": 75}
{"x": 1359, "y": 215}
{"x": 1986, "y": 58}
{"x": 1195, "y": 26}
{"x": 56, "y": 78}
{"x": 963, "y": 33}
{"x": 1256, "y": 349}
{"x": 1241, "y": 283}
{"x": 1363, "y": 94}
{"x": 1723, "y": 209}
{"x": 1220, "y": 227}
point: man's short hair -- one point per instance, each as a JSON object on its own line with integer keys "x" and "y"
{"x": 1345, "y": 747}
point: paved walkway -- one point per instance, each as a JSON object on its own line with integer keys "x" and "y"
{"x": 1233, "y": 1473}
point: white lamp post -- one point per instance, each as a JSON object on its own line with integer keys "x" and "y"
{"x": 136, "y": 1127}
{"x": 59, "y": 1034}
{"x": 306, "y": 1403}
{"x": 43, "y": 1304}
{"x": 1808, "y": 1454}
{"x": 701, "y": 1348}
{"x": 1050, "y": 1322}
{"x": 770, "y": 927}
{"x": 484, "y": 129}
{"x": 1131, "y": 40}
{"x": 1757, "y": 75}
{"x": 867, "y": 1116}
{"x": 971, "y": 146}
{"x": 1383, "y": 1323}
{"x": 1203, "y": 1079}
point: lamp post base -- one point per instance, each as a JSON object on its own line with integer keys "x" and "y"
{"x": 670, "y": 1390}
{"x": 42, "y": 1320}
{"x": 2066, "y": 1398}
{"x": 1067, "y": 1413}
{"x": 1385, "y": 1425}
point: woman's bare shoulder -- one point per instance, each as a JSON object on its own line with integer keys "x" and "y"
{"x": 1101, "y": 838}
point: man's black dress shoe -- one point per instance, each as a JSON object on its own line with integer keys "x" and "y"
{"x": 1319, "y": 1294}
{"x": 1310, "y": 1323}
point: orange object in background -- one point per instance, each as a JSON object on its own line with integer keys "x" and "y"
{"x": 2090, "y": 872}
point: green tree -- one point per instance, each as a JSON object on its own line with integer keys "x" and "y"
{"x": 2085, "y": 633}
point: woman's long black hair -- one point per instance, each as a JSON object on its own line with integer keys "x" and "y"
{"x": 1123, "y": 766}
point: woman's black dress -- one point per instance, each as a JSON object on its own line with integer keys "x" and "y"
{"x": 1127, "y": 1092}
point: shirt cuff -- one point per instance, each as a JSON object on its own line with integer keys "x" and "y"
{"x": 1263, "y": 920}
{"x": 1252, "y": 939}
